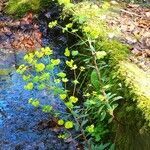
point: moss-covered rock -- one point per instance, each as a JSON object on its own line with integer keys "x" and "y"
{"x": 138, "y": 83}
{"x": 19, "y": 7}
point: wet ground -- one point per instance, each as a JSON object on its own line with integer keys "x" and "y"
{"x": 22, "y": 127}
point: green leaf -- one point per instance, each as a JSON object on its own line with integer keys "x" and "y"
{"x": 84, "y": 122}
{"x": 94, "y": 79}
{"x": 47, "y": 108}
{"x": 110, "y": 120}
{"x": 74, "y": 53}
{"x": 67, "y": 52}
{"x": 103, "y": 115}
{"x": 112, "y": 147}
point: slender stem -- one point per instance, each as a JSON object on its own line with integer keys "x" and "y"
{"x": 75, "y": 77}
{"x": 79, "y": 75}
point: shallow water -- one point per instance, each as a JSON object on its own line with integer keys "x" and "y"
{"x": 19, "y": 121}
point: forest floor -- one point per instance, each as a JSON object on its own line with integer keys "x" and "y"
{"x": 133, "y": 21}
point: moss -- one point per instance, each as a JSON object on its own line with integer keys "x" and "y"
{"x": 4, "y": 72}
{"x": 132, "y": 134}
{"x": 117, "y": 50}
{"x": 19, "y": 7}
{"x": 138, "y": 84}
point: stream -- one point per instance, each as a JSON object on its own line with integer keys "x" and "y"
{"x": 23, "y": 127}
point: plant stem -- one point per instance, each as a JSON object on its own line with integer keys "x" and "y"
{"x": 75, "y": 77}
{"x": 82, "y": 131}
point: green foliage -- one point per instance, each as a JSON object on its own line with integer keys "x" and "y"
{"x": 97, "y": 37}
{"x": 94, "y": 79}
{"x": 93, "y": 112}
{"x": 98, "y": 104}
{"x": 19, "y": 7}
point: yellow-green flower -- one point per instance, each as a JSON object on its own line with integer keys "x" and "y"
{"x": 41, "y": 86}
{"x": 50, "y": 67}
{"x": 68, "y": 124}
{"x": 75, "y": 82}
{"x": 74, "y": 67}
{"x": 26, "y": 77}
{"x": 63, "y": 96}
{"x": 29, "y": 57}
{"x": 47, "y": 108}
{"x": 61, "y": 74}
{"x": 21, "y": 69}
{"x": 87, "y": 94}
{"x": 74, "y": 53}
{"x": 82, "y": 68}
{"x": 90, "y": 128}
{"x": 73, "y": 99}
{"x": 55, "y": 61}
{"x": 45, "y": 76}
{"x": 39, "y": 67}
{"x": 29, "y": 86}
{"x": 52, "y": 24}
{"x": 65, "y": 80}
{"x": 70, "y": 63}
{"x": 34, "y": 62}
{"x": 47, "y": 51}
{"x": 30, "y": 100}
{"x": 67, "y": 52}
{"x": 69, "y": 105}
{"x": 62, "y": 136}
{"x": 69, "y": 25}
{"x": 35, "y": 103}
{"x": 36, "y": 79}
{"x": 100, "y": 54}
{"x": 39, "y": 54}
{"x": 57, "y": 80}
{"x": 60, "y": 122}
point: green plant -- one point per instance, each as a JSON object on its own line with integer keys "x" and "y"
{"x": 92, "y": 112}
{"x": 98, "y": 104}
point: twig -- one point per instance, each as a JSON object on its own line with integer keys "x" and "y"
{"x": 131, "y": 13}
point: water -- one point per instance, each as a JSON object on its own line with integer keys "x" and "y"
{"x": 19, "y": 120}
{"x": 20, "y": 123}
